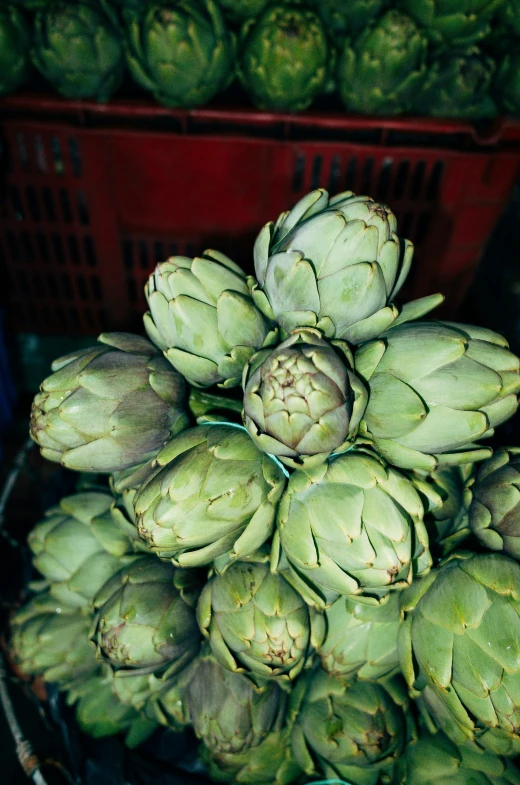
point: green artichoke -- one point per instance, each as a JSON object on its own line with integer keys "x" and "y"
{"x": 509, "y": 15}
{"x": 352, "y": 526}
{"x": 453, "y": 22}
{"x": 213, "y": 497}
{"x": 354, "y": 731}
{"x": 458, "y": 85}
{"x": 284, "y": 58}
{"x": 272, "y": 762}
{"x": 15, "y": 39}
{"x": 256, "y": 622}
{"x": 342, "y": 18}
{"x": 506, "y": 88}
{"x": 228, "y": 712}
{"x": 360, "y": 640}
{"x": 145, "y": 621}
{"x": 334, "y": 264}
{"x": 50, "y": 639}
{"x": 494, "y": 513}
{"x": 78, "y": 547}
{"x": 448, "y": 524}
{"x": 101, "y": 712}
{"x": 384, "y": 68}
{"x": 435, "y": 760}
{"x": 181, "y": 51}
{"x": 435, "y": 388}
{"x": 460, "y": 646}
{"x": 78, "y": 50}
{"x": 202, "y": 317}
{"x": 301, "y": 400}
{"x": 240, "y": 10}
{"x": 110, "y": 407}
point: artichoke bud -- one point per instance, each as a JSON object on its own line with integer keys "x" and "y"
{"x": 459, "y": 25}
{"x": 256, "y": 622}
{"x": 203, "y": 318}
{"x": 145, "y": 620}
{"x": 494, "y": 513}
{"x": 109, "y": 408}
{"x": 213, "y": 497}
{"x": 15, "y": 39}
{"x": 302, "y": 401}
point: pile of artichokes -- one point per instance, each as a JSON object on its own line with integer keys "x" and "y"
{"x": 431, "y": 57}
{"x": 304, "y": 548}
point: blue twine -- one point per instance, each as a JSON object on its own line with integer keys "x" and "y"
{"x": 329, "y": 782}
{"x": 243, "y": 428}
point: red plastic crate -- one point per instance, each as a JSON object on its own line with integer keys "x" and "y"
{"x": 94, "y": 196}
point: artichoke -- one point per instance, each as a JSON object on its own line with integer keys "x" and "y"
{"x": 78, "y": 50}
{"x": 494, "y": 513}
{"x": 240, "y": 10}
{"x": 435, "y": 760}
{"x": 352, "y": 526}
{"x": 453, "y": 22}
{"x": 334, "y": 264}
{"x": 181, "y": 51}
{"x": 110, "y": 407}
{"x": 272, "y": 762}
{"x": 202, "y": 317}
{"x": 342, "y": 18}
{"x": 509, "y": 15}
{"x": 435, "y": 388}
{"x": 361, "y": 640}
{"x": 15, "y": 38}
{"x": 101, "y": 712}
{"x": 301, "y": 400}
{"x": 145, "y": 621}
{"x": 228, "y": 712}
{"x": 384, "y": 68}
{"x": 448, "y": 524}
{"x": 213, "y": 497}
{"x": 460, "y": 645}
{"x": 256, "y": 622}
{"x": 458, "y": 85}
{"x": 78, "y": 547}
{"x": 354, "y": 731}
{"x": 506, "y": 88}
{"x": 50, "y": 639}
{"x": 284, "y": 58}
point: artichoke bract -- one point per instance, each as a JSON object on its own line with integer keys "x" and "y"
{"x": 506, "y": 87}
{"x": 458, "y": 85}
{"x": 453, "y": 23}
{"x": 302, "y": 401}
{"x": 384, "y": 68}
{"x": 354, "y": 731}
{"x": 78, "y": 547}
{"x": 15, "y": 39}
{"x": 203, "y": 319}
{"x": 50, "y": 639}
{"x": 448, "y": 523}
{"x": 435, "y": 760}
{"x": 361, "y": 640}
{"x": 335, "y": 264}
{"x": 240, "y": 10}
{"x": 460, "y": 644}
{"x": 78, "y": 50}
{"x": 352, "y": 526}
{"x": 435, "y": 388}
{"x": 256, "y": 622}
{"x": 494, "y": 513}
{"x": 214, "y": 497}
{"x": 110, "y": 407}
{"x": 228, "y": 712}
{"x": 509, "y": 15}
{"x": 145, "y": 621}
{"x": 347, "y": 19}
{"x": 180, "y": 50}
{"x": 284, "y": 58}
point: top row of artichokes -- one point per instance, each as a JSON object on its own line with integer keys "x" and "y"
{"x": 325, "y": 358}
{"x": 285, "y": 55}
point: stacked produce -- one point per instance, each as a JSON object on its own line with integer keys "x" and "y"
{"x": 383, "y": 57}
{"x": 305, "y": 551}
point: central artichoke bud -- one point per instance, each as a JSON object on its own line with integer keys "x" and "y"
{"x": 301, "y": 401}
